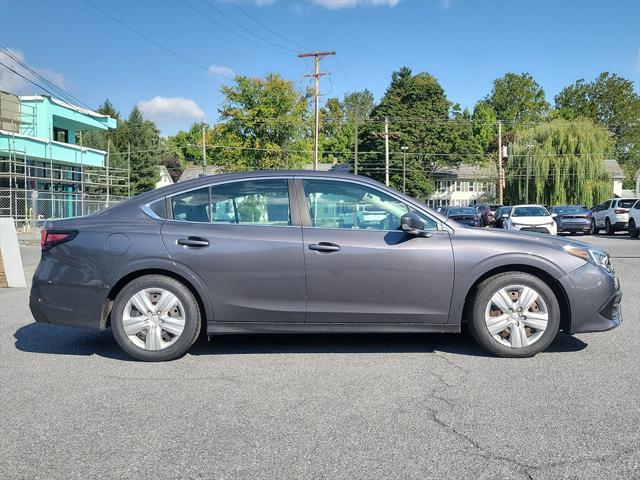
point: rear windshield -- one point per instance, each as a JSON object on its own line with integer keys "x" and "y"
{"x": 530, "y": 212}
{"x": 569, "y": 209}
{"x": 626, "y": 203}
{"x": 462, "y": 211}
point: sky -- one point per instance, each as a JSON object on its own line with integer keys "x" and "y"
{"x": 170, "y": 57}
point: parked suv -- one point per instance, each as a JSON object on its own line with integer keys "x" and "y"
{"x": 634, "y": 220}
{"x": 612, "y": 215}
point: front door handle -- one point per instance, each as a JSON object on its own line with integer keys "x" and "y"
{"x": 325, "y": 247}
{"x": 193, "y": 242}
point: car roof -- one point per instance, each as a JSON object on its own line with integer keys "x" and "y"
{"x": 529, "y": 205}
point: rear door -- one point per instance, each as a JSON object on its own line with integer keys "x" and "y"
{"x": 240, "y": 239}
{"x": 369, "y": 271}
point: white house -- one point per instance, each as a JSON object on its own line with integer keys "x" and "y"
{"x": 165, "y": 177}
{"x": 463, "y": 186}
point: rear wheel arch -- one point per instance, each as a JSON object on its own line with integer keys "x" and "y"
{"x": 556, "y": 287}
{"x": 128, "y": 278}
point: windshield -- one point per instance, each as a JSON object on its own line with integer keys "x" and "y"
{"x": 462, "y": 211}
{"x": 533, "y": 211}
{"x": 569, "y": 209}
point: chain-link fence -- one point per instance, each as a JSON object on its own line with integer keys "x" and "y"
{"x": 31, "y": 208}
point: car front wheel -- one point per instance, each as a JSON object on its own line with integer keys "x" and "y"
{"x": 155, "y": 318}
{"x": 514, "y": 314}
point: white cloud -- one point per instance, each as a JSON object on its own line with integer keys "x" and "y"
{"x": 221, "y": 71}
{"x": 337, "y": 4}
{"x": 13, "y": 83}
{"x": 171, "y": 113}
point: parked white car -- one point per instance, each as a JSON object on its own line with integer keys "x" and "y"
{"x": 634, "y": 220}
{"x": 530, "y": 218}
{"x": 612, "y": 215}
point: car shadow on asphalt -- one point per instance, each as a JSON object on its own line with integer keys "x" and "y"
{"x": 59, "y": 340}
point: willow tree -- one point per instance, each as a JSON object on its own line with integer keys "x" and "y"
{"x": 559, "y": 162}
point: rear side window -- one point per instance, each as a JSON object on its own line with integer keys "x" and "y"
{"x": 253, "y": 202}
{"x": 191, "y": 206}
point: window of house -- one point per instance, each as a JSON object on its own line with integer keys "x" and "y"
{"x": 60, "y": 135}
{"x": 472, "y": 186}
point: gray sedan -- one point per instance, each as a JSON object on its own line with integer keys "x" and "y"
{"x": 289, "y": 251}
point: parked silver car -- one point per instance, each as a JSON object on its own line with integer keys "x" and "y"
{"x": 265, "y": 252}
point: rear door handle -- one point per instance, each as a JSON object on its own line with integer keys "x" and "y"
{"x": 193, "y": 242}
{"x": 325, "y": 247}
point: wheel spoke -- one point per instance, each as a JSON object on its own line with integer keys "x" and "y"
{"x": 172, "y": 325}
{"x": 518, "y": 336}
{"x": 167, "y": 301}
{"x": 134, "y": 325}
{"x": 536, "y": 320}
{"x": 502, "y": 300}
{"x": 526, "y": 298}
{"x": 142, "y": 302}
{"x": 497, "y": 324}
{"x": 154, "y": 338}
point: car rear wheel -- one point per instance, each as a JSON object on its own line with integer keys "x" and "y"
{"x": 514, "y": 314}
{"x": 594, "y": 227}
{"x": 155, "y": 318}
{"x": 608, "y": 227}
{"x": 634, "y": 231}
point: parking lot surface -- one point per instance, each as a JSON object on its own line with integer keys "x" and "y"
{"x": 72, "y": 406}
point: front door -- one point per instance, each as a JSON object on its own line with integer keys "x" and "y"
{"x": 361, "y": 268}
{"x": 239, "y": 239}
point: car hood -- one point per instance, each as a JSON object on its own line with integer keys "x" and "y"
{"x": 532, "y": 220}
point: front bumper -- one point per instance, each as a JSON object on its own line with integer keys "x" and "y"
{"x": 549, "y": 229}
{"x": 594, "y": 297}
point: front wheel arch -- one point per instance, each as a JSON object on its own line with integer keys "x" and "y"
{"x": 561, "y": 294}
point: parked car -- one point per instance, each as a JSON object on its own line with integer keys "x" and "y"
{"x": 500, "y": 216}
{"x": 487, "y": 212}
{"x": 530, "y": 218}
{"x": 464, "y": 215}
{"x": 571, "y": 218}
{"x": 264, "y": 252}
{"x": 634, "y": 220}
{"x": 612, "y": 215}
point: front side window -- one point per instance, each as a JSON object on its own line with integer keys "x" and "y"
{"x": 253, "y": 202}
{"x": 336, "y": 204}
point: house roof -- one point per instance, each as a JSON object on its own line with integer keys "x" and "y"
{"x": 192, "y": 172}
{"x": 613, "y": 167}
{"x": 329, "y": 167}
{"x": 468, "y": 171}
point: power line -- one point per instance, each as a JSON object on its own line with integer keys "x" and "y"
{"x": 146, "y": 37}
{"x": 265, "y": 26}
{"x": 27, "y": 79}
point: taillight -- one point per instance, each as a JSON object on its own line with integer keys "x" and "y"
{"x": 52, "y": 238}
{"x": 620, "y": 210}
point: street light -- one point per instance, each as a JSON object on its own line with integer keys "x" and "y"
{"x": 404, "y": 168}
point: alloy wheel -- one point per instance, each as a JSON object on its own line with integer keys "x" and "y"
{"x": 153, "y": 319}
{"x": 516, "y": 316}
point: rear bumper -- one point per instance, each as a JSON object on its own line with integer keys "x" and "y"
{"x": 594, "y": 298}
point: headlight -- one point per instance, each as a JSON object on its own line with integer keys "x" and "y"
{"x": 593, "y": 256}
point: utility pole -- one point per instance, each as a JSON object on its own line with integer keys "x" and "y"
{"x": 355, "y": 146}
{"x": 129, "y": 169}
{"x": 204, "y": 152}
{"x": 404, "y": 168}
{"x": 386, "y": 151}
{"x": 108, "y": 160}
{"x": 500, "y": 171}
{"x": 316, "y": 75}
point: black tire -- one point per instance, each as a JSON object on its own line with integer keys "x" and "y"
{"x": 634, "y": 231}
{"x": 192, "y": 316}
{"x": 608, "y": 227}
{"x": 481, "y": 299}
{"x": 594, "y": 227}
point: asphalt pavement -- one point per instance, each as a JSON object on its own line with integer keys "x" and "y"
{"x": 72, "y": 406}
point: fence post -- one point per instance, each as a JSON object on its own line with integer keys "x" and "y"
{"x": 34, "y": 213}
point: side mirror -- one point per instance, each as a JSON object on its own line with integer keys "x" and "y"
{"x": 413, "y": 225}
{"x": 554, "y": 215}
{"x": 505, "y": 215}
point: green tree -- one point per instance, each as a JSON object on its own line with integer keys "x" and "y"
{"x": 265, "y": 125}
{"x": 559, "y": 162}
{"x": 434, "y": 130}
{"x": 517, "y": 98}
{"x": 484, "y": 125}
{"x": 611, "y": 101}
{"x": 144, "y": 138}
